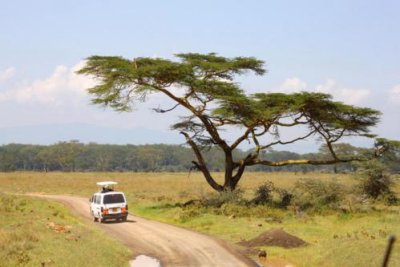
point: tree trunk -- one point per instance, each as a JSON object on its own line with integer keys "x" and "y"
{"x": 210, "y": 180}
{"x": 229, "y": 181}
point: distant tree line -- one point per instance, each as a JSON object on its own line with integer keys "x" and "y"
{"x": 75, "y": 156}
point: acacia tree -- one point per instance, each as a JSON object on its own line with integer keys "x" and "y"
{"x": 204, "y": 85}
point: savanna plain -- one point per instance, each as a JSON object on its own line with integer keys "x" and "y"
{"x": 341, "y": 227}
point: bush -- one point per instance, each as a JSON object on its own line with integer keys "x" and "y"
{"x": 391, "y": 199}
{"x": 375, "y": 180}
{"x": 313, "y": 193}
{"x": 285, "y": 198}
{"x": 268, "y": 194}
{"x": 263, "y": 194}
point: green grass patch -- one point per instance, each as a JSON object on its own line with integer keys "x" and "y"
{"x": 36, "y": 232}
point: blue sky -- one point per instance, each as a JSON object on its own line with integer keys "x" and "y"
{"x": 347, "y": 48}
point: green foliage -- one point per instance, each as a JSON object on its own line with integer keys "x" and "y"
{"x": 391, "y": 157}
{"x": 375, "y": 179}
{"x": 263, "y": 194}
{"x": 123, "y": 80}
{"x": 208, "y": 78}
{"x": 272, "y": 196}
{"x": 316, "y": 194}
{"x": 285, "y": 198}
{"x": 334, "y": 117}
{"x": 75, "y": 156}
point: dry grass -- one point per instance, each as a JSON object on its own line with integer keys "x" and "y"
{"x": 144, "y": 186}
{"x": 35, "y": 232}
{"x": 337, "y": 239}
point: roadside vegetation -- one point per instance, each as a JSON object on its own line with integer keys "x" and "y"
{"x": 343, "y": 225}
{"x": 35, "y": 232}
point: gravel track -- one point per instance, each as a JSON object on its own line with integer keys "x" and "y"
{"x": 172, "y": 245}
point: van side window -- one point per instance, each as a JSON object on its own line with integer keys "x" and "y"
{"x": 98, "y": 197}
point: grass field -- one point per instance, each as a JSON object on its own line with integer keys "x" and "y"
{"x": 36, "y": 232}
{"x": 336, "y": 238}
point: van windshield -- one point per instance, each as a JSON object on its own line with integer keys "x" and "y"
{"x": 113, "y": 198}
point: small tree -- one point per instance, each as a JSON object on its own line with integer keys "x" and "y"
{"x": 204, "y": 86}
{"x": 376, "y": 180}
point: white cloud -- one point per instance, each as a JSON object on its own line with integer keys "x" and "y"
{"x": 292, "y": 85}
{"x": 327, "y": 87}
{"x": 351, "y": 96}
{"x": 62, "y": 97}
{"x": 394, "y": 94}
{"x": 63, "y": 86}
{"x": 7, "y": 74}
{"x": 347, "y": 95}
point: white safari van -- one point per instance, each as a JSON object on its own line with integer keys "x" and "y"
{"x": 108, "y": 204}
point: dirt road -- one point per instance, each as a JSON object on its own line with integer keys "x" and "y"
{"x": 173, "y": 246}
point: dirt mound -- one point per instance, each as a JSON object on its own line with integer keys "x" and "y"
{"x": 274, "y": 237}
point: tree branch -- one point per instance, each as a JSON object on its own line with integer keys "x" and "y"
{"x": 255, "y": 140}
{"x": 159, "y": 110}
{"x": 204, "y": 119}
{"x": 242, "y": 138}
{"x": 288, "y": 142}
{"x": 201, "y": 165}
{"x": 302, "y": 162}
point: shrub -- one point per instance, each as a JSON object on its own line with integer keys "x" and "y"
{"x": 285, "y": 198}
{"x": 313, "y": 193}
{"x": 391, "y": 199}
{"x": 268, "y": 194}
{"x": 375, "y": 180}
{"x": 263, "y": 194}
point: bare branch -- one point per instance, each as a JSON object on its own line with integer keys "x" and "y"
{"x": 296, "y": 121}
{"x": 159, "y": 110}
{"x": 289, "y": 142}
{"x": 339, "y": 136}
{"x": 242, "y": 138}
{"x": 255, "y": 140}
{"x": 266, "y": 128}
{"x": 302, "y": 162}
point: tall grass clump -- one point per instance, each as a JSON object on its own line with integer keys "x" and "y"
{"x": 224, "y": 197}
